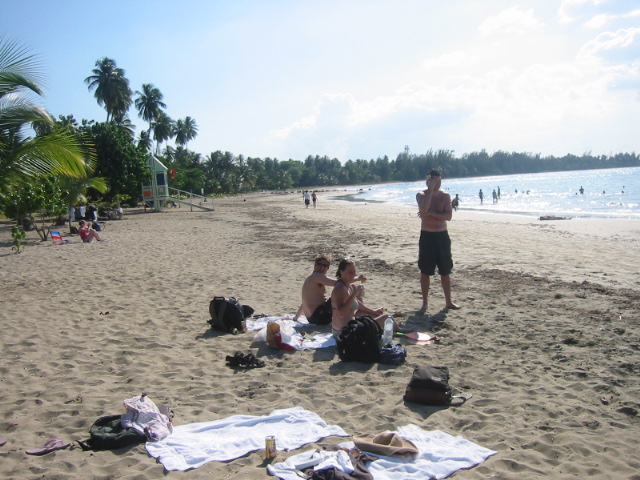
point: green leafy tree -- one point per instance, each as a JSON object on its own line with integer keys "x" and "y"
{"x": 22, "y": 158}
{"x": 111, "y": 88}
{"x": 41, "y": 198}
{"x": 118, "y": 159}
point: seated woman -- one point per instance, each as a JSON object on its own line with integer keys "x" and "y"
{"x": 346, "y": 302}
{"x": 87, "y": 234}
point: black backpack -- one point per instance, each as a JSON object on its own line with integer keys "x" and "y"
{"x": 107, "y": 433}
{"x": 359, "y": 341}
{"x": 228, "y": 315}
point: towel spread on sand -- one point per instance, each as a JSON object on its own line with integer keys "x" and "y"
{"x": 289, "y": 334}
{"x": 440, "y": 456}
{"x": 193, "y": 445}
{"x": 260, "y": 323}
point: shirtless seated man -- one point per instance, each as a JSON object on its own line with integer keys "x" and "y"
{"x": 315, "y": 304}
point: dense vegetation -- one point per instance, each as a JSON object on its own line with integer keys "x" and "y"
{"x": 226, "y": 173}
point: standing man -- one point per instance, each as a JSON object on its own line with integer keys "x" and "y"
{"x": 434, "y": 210}
{"x": 307, "y": 198}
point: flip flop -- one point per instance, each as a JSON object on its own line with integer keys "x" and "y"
{"x": 248, "y": 360}
{"x": 2, "y": 441}
{"x": 50, "y": 446}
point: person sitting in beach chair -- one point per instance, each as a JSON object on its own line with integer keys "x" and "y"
{"x": 88, "y": 234}
{"x": 315, "y": 305}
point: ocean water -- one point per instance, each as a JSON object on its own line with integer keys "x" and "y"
{"x": 609, "y": 193}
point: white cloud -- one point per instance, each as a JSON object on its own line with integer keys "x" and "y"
{"x": 607, "y": 41}
{"x": 514, "y": 21}
{"x": 601, "y": 20}
{"x": 566, "y": 6}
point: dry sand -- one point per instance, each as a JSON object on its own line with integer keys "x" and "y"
{"x": 547, "y": 341}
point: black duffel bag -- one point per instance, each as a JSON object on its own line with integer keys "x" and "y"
{"x": 430, "y": 386}
{"x": 228, "y": 315}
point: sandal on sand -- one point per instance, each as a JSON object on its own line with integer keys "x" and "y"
{"x": 50, "y": 446}
{"x": 248, "y": 360}
{"x": 2, "y": 441}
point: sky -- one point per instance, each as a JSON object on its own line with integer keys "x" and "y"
{"x": 355, "y": 79}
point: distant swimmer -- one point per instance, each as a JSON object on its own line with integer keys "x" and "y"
{"x": 481, "y": 196}
{"x": 581, "y": 190}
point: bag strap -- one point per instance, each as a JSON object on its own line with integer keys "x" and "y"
{"x": 459, "y": 397}
{"x": 223, "y": 307}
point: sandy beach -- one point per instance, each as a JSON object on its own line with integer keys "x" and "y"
{"x": 547, "y": 341}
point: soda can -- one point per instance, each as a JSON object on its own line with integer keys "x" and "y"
{"x": 270, "y": 447}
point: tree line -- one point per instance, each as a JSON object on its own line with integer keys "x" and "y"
{"x": 223, "y": 172}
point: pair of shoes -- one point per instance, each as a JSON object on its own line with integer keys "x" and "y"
{"x": 248, "y": 360}
{"x": 50, "y": 446}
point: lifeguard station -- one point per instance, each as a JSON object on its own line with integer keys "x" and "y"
{"x": 158, "y": 194}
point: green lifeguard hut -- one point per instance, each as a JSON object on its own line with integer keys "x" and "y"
{"x": 159, "y": 193}
{"x": 156, "y": 194}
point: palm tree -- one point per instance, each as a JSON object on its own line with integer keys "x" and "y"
{"x": 127, "y": 125}
{"x": 111, "y": 88}
{"x": 144, "y": 140}
{"x": 185, "y": 130}
{"x": 163, "y": 128}
{"x": 149, "y": 103}
{"x": 21, "y": 157}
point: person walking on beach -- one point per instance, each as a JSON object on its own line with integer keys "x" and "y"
{"x": 307, "y": 198}
{"x": 455, "y": 203}
{"x": 434, "y": 210}
{"x": 481, "y": 196}
{"x": 315, "y": 305}
{"x": 314, "y": 198}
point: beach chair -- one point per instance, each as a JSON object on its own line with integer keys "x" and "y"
{"x": 57, "y": 238}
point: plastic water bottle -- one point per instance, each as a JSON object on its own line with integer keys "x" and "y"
{"x": 387, "y": 334}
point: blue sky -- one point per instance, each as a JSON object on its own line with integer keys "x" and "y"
{"x": 355, "y": 78}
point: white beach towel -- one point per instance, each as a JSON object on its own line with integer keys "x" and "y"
{"x": 260, "y": 323}
{"x": 440, "y": 456}
{"x": 289, "y": 334}
{"x": 193, "y": 445}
